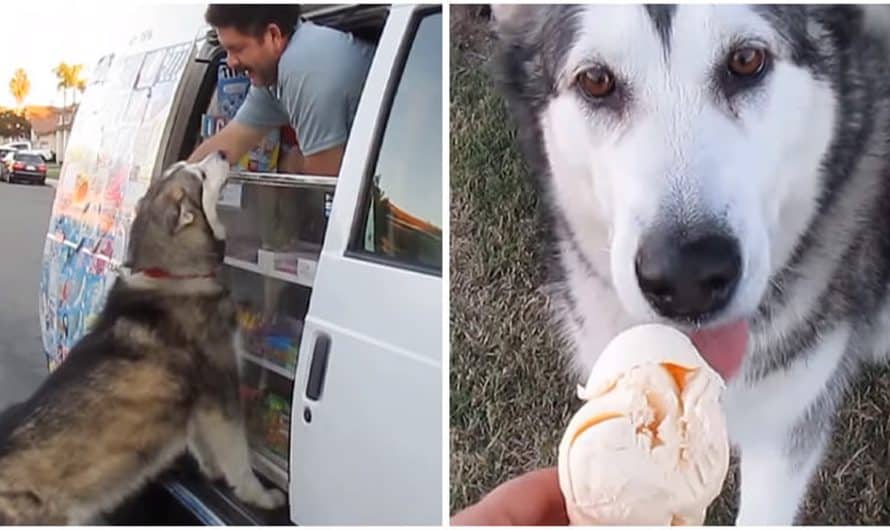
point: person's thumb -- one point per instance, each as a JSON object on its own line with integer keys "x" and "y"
{"x": 530, "y": 499}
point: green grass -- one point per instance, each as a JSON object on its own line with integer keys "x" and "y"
{"x": 510, "y": 395}
{"x": 507, "y": 378}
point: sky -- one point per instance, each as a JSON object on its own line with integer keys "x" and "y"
{"x": 45, "y": 33}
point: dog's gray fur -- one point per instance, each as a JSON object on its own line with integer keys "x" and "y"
{"x": 157, "y": 375}
{"x": 849, "y": 235}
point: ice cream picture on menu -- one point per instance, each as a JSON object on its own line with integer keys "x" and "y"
{"x": 649, "y": 446}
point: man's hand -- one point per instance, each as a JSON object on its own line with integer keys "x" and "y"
{"x": 532, "y": 499}
{"x": 234, "y": 140}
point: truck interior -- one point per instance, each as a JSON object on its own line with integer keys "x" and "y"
{"x": 276, "y": 224}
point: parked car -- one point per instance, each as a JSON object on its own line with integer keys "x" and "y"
{"x": 27, "y": 166}
{"x": 47, "y": 154}
{"x": 5, "y": 162}
{"x": 18, "y": 146}
{"x": 23, "y": 145}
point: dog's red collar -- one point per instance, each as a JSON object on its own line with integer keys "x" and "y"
{"x": 158, "y": 273}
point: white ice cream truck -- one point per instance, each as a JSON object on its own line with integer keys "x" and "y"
{"x": 340, "y": 306}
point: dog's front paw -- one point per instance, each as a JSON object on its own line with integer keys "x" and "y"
{"x": 271, "y": 499}
{"x": 252, "y": 492}
{"x": 210, "y": 470}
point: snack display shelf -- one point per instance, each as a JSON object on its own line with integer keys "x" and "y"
{"x": 270, "y": 344}
{"x": 304, "y": 273}
{"x": 268, "y": 365}
{"x": 266, "y": 417}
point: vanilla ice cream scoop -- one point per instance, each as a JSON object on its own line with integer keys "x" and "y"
{"x": 649, "y": 446}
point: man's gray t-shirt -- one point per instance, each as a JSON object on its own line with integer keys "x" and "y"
{"x": 320, "y": 78}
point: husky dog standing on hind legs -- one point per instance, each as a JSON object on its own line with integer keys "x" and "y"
{"x": 157, "y": 375}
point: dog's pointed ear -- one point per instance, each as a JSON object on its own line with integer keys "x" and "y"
{"x": 186, "y": 216}
{"x": 512, "y": 20}
{"x": 181, "y": 212}
{"x": 175, "y": 193}
{"x": 847, "y": 23}
{"x": 877, "y": 22}
{"x": 174, "y": 168}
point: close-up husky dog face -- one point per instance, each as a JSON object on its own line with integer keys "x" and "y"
{"x": 722, "y": 169}
{"x": 683, "y": 143}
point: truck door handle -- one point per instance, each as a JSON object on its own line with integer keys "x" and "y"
{"x": 319, "y": 367}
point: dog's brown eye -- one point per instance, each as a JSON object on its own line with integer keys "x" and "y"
{"x": 597, "y": 82}
{"x": 747, "y": 62}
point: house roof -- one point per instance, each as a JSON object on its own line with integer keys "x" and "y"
{"x": 45, "y": 119}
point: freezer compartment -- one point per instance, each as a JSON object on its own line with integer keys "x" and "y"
{"x": 275, "y": 231}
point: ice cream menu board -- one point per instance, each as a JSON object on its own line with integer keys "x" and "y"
{"x": 109, "y": 162}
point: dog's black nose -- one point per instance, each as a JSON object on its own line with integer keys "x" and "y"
{"x": 686, "y": 277}
{"x": 222, "y": 154}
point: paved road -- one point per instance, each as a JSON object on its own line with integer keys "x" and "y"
{"x": 24, "y": 217}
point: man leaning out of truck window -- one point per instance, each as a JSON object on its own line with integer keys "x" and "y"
{"x": 302, "y": 74}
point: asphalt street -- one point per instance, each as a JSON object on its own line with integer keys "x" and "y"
{"x": 24, "y": 217}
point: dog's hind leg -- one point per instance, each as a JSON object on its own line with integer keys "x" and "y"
{"x": 224, "y": 441}
{"x": 19, "y": 507}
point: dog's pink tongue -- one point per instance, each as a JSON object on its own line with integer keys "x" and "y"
{"x": 723, "y": 347}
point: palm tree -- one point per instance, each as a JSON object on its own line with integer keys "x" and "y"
{"x": 75, "y": 82}
{"x": 20, "y": 86}
{"x": 61, "y": 72}
{"x": 69, "y": 77}
{"x": 81, "y": 86}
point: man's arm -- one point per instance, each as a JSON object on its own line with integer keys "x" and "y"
{"x": 324, "y": 163}
{"x": 234, "y": 139}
